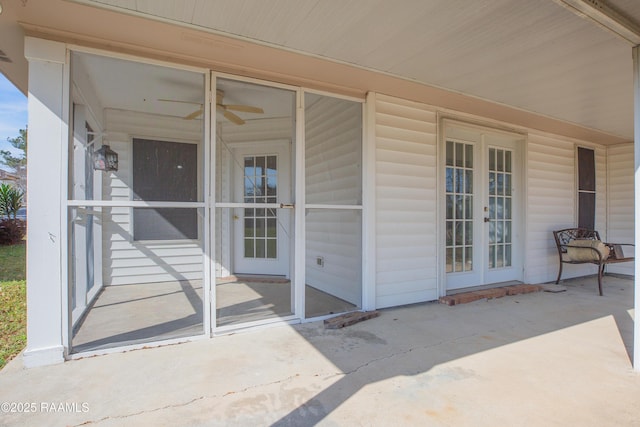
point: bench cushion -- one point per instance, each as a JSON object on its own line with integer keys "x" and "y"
{"x": 583, "y": 253}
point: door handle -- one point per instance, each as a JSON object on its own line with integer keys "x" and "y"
{"x": 287, "y": 205}
{"x": 487, "y": 219}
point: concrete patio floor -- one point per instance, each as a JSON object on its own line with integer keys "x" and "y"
{"x": 541, "y": 359}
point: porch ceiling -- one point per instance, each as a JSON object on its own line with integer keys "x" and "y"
{"x": 537, "y": 56}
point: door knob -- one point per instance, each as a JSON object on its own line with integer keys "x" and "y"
{"x": 487, "y": 219}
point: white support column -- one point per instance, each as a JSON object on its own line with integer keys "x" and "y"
{"x": 300, "y": 233}
{"x": 636, "y": 121}
{"x": 46, "y": 153}
{"x": 369, "y": 204}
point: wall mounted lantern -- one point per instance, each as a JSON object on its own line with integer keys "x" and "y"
{"x": 105, "y": 159}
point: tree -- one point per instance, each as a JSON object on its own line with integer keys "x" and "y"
{"x": 18, "y": 162}
{"x": 12, "y": 230}
{"x": 10, "y": 200}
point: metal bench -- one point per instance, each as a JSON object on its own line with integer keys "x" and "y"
{"x": 569, "y": 242}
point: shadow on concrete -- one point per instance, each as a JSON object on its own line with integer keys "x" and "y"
{"x": 427, "y": 344}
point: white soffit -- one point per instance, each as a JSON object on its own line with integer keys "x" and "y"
{"x": 609, "y": 16}
{"x": 539, "y": 56}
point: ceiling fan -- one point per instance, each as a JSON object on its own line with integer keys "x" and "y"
{"x": 220, "y": 106}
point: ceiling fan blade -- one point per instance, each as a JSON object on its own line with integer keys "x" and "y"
{"x": 178, "y": 101}
{"x": 245, "y": 108}
{"x": 193, "y": 115}
{"x": 233, "y": 118}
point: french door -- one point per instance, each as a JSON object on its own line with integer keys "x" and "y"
{"x": 482, "y": 207}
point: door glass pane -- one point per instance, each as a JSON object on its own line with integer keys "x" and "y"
{"x": 468, "y": 182}
{"x": 468, "y": 156}
{"x": 459, "y": 209}
{"x": 500, "y": 186}
{"x": 492, "y": 232}
{"x": 260, "y": 179}
{"x": 499, "y": 256}
{"x": 468, "y": 258}
{"x": 459, "y": 266}
{"x": 492, "y": 256}
{"x": 507, "y": 255}
{"x": 449, "y": 180}
{"x": 468, "y": 207}
{"x": 459, "y": 155}
{"x": 249, "y": 251}
{"x": 459, "y": 181}
{"x": 260, "y": 249}
{"x": 492, "y": 183}
{"x": 492, "y": 207}
{"x": 272, "y": 248}
{"x": 499, "y": 232}
{"x": 449, "y": 259}
{"x": 459, "y": 233}
{"x": 492, "y": 159}
{"x": 460, "y": 206}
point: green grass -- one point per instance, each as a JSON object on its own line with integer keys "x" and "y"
{"x": 13, "y": 302}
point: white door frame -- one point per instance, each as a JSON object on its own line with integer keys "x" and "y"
{"x": 477, "y": 134}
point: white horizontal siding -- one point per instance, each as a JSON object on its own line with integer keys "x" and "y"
{"x": 551, "y": 203}
{"x": 621, "y": 218}
{"x": 333, "y": 175}
{"x": 256, "y": 130}
{"x": 406, "y": 194}
{"x": 336, "y": 236}
{"x": 126, "y": 261}
{"x": 333, "y": 152}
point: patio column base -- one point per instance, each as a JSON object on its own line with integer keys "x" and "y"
{"x": 43, "y": 356}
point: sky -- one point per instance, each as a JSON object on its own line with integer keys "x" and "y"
{"x": 13, "y": 113}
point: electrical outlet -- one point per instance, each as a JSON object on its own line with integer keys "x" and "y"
{"x": 320, "y": 261}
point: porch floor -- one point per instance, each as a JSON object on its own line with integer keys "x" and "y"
{"x": 133, "y": 314}
{"x": 551, "y": 359}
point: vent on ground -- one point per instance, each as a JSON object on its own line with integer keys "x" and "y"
{"x": 4, "y": 57}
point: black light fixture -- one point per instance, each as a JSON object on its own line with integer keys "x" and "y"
{"x": 105, "y": 159}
